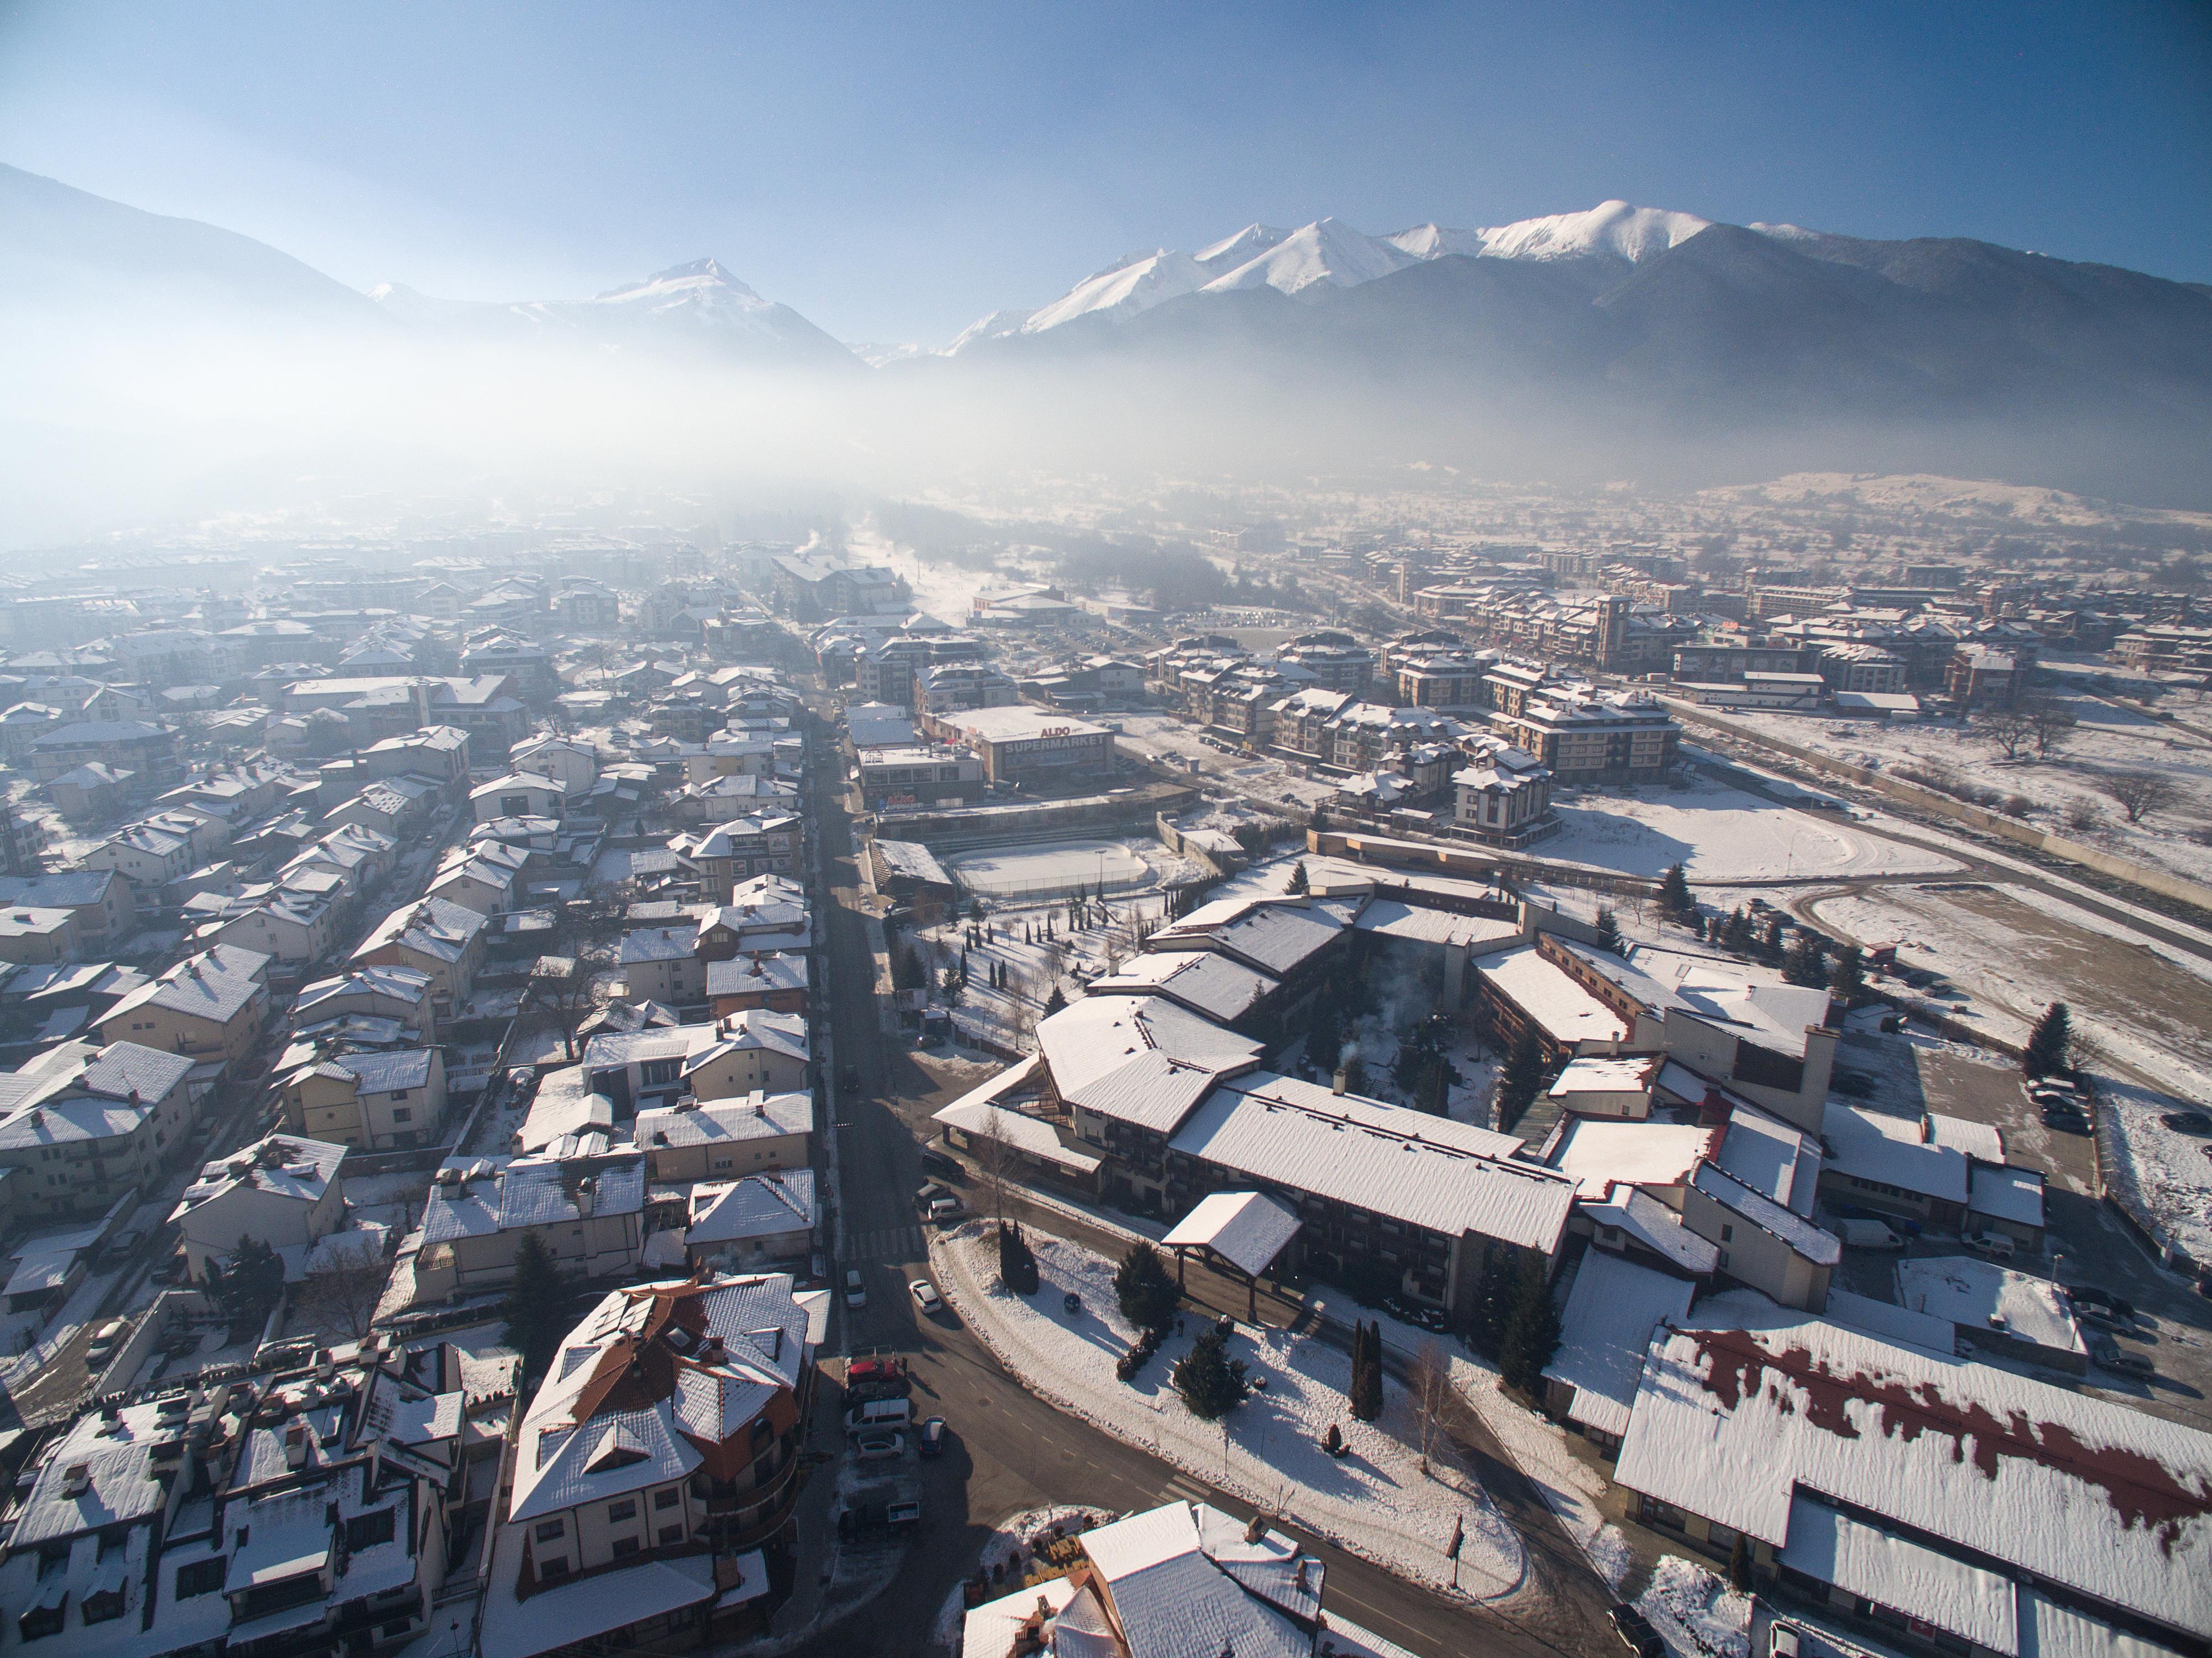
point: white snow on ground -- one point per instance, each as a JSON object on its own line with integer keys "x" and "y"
{"x": 1695, "y": 1610}
{"x": 1538, "y": 1446}
{"x": 2111, "y": 737}
{"x": 1054, "y": 869}
{"x": 1374, "y": 1501}
{"x": 1008, "y": 1538}
{"x": 1720, "y": 834}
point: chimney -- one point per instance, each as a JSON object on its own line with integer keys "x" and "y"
{"x": 1256, "y": 1530}
{"x": 1338, "y": 1086}
{"x": 295, "y": 1445}
{"x": 1302, "y": 1574}
{"x": 588, "y": 1195}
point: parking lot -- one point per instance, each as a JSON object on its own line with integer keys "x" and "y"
{"x": 2085, "y": 1242}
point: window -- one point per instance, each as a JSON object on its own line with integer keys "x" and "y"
{"x": 549, "y": 1569}
{"x": 618, "y": 1512}
{"x": 199, "y": 1577}
{"x": 399, "y": 1093}
{"x": 402, "y": 1114}
{"x": 102, "y": 1604}
{"x": 44, "y": 1620}
{"x": 623, "y": 1546}
{"x": 1722, "y": 1262}
{"x": 1728, "y": 1233}
{"x": 670, "y": 1535}
{"x": 667, "y": 1499}
{"x": 551, "y": 1531}
{"x": 366, "y": 1530}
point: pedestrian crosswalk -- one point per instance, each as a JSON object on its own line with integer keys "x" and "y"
{"x": 886, "y": 1243}
{"x": 1183, "y": 1489}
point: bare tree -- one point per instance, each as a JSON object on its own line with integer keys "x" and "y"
{"x": 2138, "y": 793}
{"x": 995, "y": 1159}
{"x": 341, "y": 1297}
{"x": 1437, "y": 1406}
{"x": 559, "y": 986}
{"x": 2010, "y": 728}
{"x": 2053, "y": 721}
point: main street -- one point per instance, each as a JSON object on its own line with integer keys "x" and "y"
{"x": 1012, "y": 1451}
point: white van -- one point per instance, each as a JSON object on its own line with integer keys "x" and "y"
{"x": 1868, "y": 1235}
{"x": 105, "y": 1340}
{"x": 879, "y": 1413}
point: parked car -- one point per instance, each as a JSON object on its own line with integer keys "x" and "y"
{"x": 945, "y": 1168}
{"x": 1994, "y": 1244}
{"x": 929, "y": 1194}
{"x": 2065, "y": 1118}
{"x": 1868, "y": 1235}
{"x": 848, "y": 1078}
{"x": 924, "y": 1296}
{"x": 105, "y": 1341}
{"x": 932, "y": 1443}
{"x": 2188, "y": 1122}
{"x": 124, "y": 1245}
{"x": 2103, "y": 1319}
{"x": 878, "y": 1448}
{"x": 946, "y": 1210}
{"x": 1636, "y": 1632}
{"x": 856, "y": 1292}
{"x": 2121, "y": 1361}
{"x": 2119, "y": 1305}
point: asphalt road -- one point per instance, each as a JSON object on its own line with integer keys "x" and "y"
{"x": 1012, "y": 1451}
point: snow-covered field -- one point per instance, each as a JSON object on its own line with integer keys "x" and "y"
{"x": 1054, "y": 869}
{"x": 1375, "y": 1501}
{"x": 1720, "y": 834}
{"x": 2110, "y": 738}
{"x": 1271, "y": 782}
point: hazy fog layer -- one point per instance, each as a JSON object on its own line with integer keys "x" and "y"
{"x": 106, "y": 424}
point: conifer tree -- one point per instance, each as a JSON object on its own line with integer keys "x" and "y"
{"x": 1056, "y": 1001}
{"x": 535, "y": 1308}
{"x": 1674, "y": 893}
{"x": 1210, "y": 1382}
{"x": 2045, "y": 1053}
{"x": 1608, "y": 932}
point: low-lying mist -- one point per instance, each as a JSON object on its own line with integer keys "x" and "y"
{"x": 108, "y": 427}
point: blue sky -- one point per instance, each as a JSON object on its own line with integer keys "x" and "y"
{"x": 894, "y": 172}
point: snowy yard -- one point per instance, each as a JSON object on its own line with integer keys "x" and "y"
{"x": 1060, "y": 868}
{"x": 1720, "y": 834}
{"x": 1375, "y": 1501}
{"x": 1265, "y": 780}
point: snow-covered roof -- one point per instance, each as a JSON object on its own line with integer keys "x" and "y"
{"x": 1392, "y": 918}
{"x": 981, "y": 1113}
{"x": 1891, "y": 1322}
{"x": 1872, "y": 1145}
{"x": 1216, "y": 986}
{"x": 1604, "y": 1074}
{"x": 283, "y": 1165}
{"x": 1274, "y": 935}
{"x": 1604, "y": 1331}
{"x": 759, "y": 1115}
{"x": 2013, "y": 1194}
{"x": 1982, "y": 1296}
{"x": 1246, "y": 1229}
{"x": 1401, "y": 1164}
{"x": 1819, "y": 1247}
{"x": 564, "y": 1104}
{"x": 759, "y": 1206}
{"x": 1541, "y": 989}
{"x": 1771, "y": 1158}
{"x": 1185, "y": 1582}
{"x": 1732, "y": 1423}
{"x": 529, "y": 1194}
{"x": 1597, "y": 1153}
{"x": 1981, "y": 1141}
{"x": 1169, "y": 1055}
{"x": 769, "y": 971}
{"x": 1902, "y": 1574}
{"x": 1653, "y": 1225}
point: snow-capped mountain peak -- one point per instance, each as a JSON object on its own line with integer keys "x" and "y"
{"x": 1137, "y": 283}
{"x": 1326, "y": 251}
{"x": 1634, "y": 234}
{"x": 1247, "y": 243}
{"x": 1329, "y": 252}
